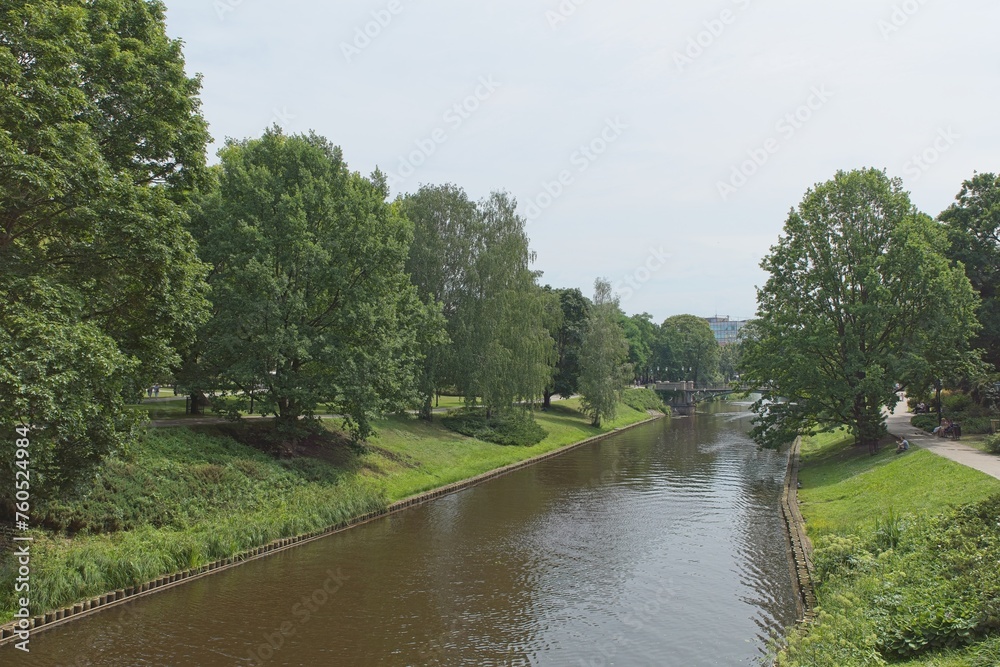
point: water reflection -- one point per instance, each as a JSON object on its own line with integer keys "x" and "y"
{"x": 662, "y": 546}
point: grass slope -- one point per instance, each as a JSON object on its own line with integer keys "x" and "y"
{"x": 902, "y": 575}
{"x": 182, "y": 498}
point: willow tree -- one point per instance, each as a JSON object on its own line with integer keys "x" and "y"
{"x": 503, "y": 352}
{"x": 859, "y": 297}
{"x": 604, "y": 367}
{"x": 311, "y": 301}
{"x": 101, "y": 138}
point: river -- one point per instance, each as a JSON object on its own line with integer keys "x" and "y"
{"x": 661, "y": 546}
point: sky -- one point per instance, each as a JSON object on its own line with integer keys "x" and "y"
{"x": 659, "y": 145}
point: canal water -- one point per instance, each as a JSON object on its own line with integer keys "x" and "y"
{"x": 661, "y": 546}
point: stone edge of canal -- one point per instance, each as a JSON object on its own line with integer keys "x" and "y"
{"x": 59, "y": 617}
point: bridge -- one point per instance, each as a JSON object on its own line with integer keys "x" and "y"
{"x": 687, "y": 395}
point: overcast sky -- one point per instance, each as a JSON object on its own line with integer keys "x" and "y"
{"x": 660, "y": 144}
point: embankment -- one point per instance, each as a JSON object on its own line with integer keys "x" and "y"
{"x": 187, "y": 503}
{"x": 905, "y": 558}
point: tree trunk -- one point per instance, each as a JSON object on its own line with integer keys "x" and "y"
{"x": 426, "y": 410}
{"x": 547, "y": 400}
{"x": 869, "y": 426}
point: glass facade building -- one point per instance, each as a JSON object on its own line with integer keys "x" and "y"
{"x": 726, "y": 331}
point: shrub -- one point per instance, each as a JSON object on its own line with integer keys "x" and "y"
{"x": 926, "y": 422}
{"x": 513, "y": 427}
{"x": 956, "y": 402}
{"x": 644, "y": 399}
{"x": 993, "y": 444}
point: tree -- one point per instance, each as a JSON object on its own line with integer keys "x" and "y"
{"x": 311, "y": 302}
{"x": 859, "y": 297}
{"x": 445, "y": 229}
{"x": 604, "y": 369}
{"x": 101, "y": 138}
{"x": 567, "y": 330}
{"x": 689, "y": 349}
{"x": 973, "y": 224}
{"x": 730, "y": 357}
{"x": 503, "y": 352}
{"x": 642, "y": 335}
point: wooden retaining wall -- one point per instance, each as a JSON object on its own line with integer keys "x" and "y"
{"x": 99, "y": 603}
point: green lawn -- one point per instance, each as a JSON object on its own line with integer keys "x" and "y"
{"x": 430, "y": 456}
{"x": 899, "y": 568}
{"x": 844, "y": 488}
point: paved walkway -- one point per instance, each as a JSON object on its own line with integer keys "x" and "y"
{"x": 899, "y": 424}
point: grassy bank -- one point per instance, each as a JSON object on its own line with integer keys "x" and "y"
{"x": 184, "y": 497}
{"x": 907, "y": 549}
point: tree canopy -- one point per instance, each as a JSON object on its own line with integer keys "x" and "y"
{"x": 859, "y": 297}
{"x": 311, "y": 301}
{"x": 973, "y": 224}
{"x": 99, "y": 281}
{"x": 604, "y": 367}
{"x": 688, "y": 348}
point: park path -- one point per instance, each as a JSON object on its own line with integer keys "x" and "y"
{"x": 899, "y": 424}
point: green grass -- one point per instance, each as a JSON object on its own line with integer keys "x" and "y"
{"x": 843, "y": 487}
{"x": 426, "y": 455}
{"x": 906, "y": 547}
{"x": 185, "y": 497}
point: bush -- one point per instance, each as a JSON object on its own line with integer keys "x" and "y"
{"x": 955, "y": 402}
{"x": 926, "y": 422}
{"x": 513, "y": 427}
{"x": 993, "y": 444}
{"x": 644, "y": 400}
{"x": 904, "y": 589}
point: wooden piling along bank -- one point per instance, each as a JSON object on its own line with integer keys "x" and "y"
{"x": 59, "y": 617}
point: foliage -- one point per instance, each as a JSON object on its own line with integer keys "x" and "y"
{"x": 644, "y": 399}
{"x": 993, "y": 443}
{"x": 604, "y": 370}
{"x": 445, "y": 229}
{"x": 643, "y": 337}
{"x": 933, "y": 585}
{"x": 859, "y": 297}
{"x": 311, "y": 303}
{"x": 973, "y": 225}
{"x": 503, "y": 351}
{"x": 101, "y": 136}
{"x": 575, "y": 309}
{"x": 510, "y": 427}
{"x": 730, "y": 358}
{"x": 904, "y": 565}
{"x": 688, "y": 349}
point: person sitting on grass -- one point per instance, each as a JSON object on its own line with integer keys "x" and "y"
{"x": 902, "y": 445}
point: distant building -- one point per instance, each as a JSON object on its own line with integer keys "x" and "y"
{"x": 726, "y": 330}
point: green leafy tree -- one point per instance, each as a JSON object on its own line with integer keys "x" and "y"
{"x": 503, "y": 351}
{"x": 642, "y": 335}
{"x": 567, "y": 330}
{"x": 688, "y": 349}
{"x": 311, "y": 301}
{"x": 860, "y": 296}
{"x": 973, "y": 224}
{"x": 101, "y": 139}
{"x": 604, "y": 367}
{"x": 730, "y": 357}
{"x": 446, "y": 227}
